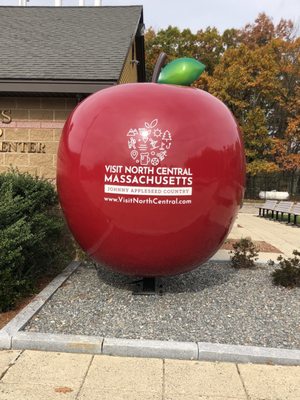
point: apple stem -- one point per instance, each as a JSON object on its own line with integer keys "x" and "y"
{"x": 161, "y": 61}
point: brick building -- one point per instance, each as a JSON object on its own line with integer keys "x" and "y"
{"x": 52, "y": 58}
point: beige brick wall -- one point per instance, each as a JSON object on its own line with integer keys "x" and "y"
{"x": 30, "y": 141}
{"x": 129, "y": 73}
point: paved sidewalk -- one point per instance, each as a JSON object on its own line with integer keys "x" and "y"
{"x": 285, "y": 238}
{"x": 32, "y": 375}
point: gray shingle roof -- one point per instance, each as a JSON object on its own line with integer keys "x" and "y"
{"x": 74, "y": 43}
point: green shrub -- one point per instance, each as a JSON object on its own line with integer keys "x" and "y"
{"x": 33, "y": 237}
{"x": 244, "y": 254}
{"x": 288, "y": 273}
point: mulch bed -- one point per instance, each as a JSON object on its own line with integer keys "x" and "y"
{"x": 260, "y": 244}
{"x": 5, "y": 317}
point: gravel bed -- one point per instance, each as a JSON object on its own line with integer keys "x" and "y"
{"x": 214, "y": 303}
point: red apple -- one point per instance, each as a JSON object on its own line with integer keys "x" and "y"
{"x": 151, "y": 177}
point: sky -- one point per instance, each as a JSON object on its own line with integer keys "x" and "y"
{"x": 197, "y": 14}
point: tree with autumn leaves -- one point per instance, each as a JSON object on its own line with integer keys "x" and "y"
{"x": 255, "y": 71}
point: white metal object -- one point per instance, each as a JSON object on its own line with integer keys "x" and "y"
{"x": 98, "y": 3}
{"x": 81, "y": 3}
{"x": 274, "y": 195}
{"x": 22, "y": 3}
{"x": 58, "y": 3}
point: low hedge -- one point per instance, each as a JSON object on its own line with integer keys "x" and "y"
{"x": 33, "y": 237}
{"x": 288, "y": 273}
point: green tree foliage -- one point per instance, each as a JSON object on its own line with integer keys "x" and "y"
{"x": 32, "y": 235}
{"x": 206, "y": 45}
{"x": 256, "y": 72}
{"x": 171, "y": 41}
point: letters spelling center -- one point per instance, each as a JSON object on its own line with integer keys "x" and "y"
{"x": 17, "y": 147}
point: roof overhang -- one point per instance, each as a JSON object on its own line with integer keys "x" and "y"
{"x": 52, "y": 86}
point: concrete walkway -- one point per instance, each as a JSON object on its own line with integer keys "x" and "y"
{"x": 32, "y": 375}
{"x": 285, "y": 238}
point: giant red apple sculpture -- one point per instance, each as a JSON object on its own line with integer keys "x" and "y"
{"x": 150, "y": 177}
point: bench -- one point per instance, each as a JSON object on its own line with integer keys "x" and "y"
{"x": 283, "y": 207}
{"x": 295, "y": 212}
{"x": 269, "y": 205}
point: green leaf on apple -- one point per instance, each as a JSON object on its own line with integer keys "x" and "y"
{"x": 183, "y": 71}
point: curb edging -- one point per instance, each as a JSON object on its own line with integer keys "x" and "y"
{"x": 5, "y": 341}
{"x": 150, "y": 348}
{"x": 247, "y": 354}
{"x": 22, "y": 318}
{"x": 57, "y": 342}
{"x": 154, "y": 349}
